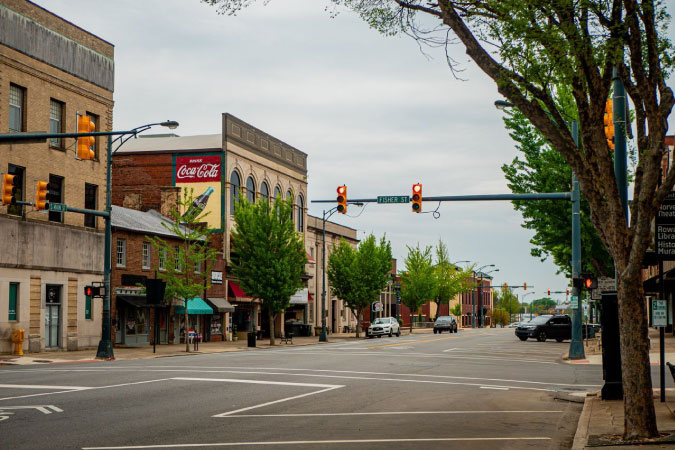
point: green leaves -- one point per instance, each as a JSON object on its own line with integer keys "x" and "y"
{"x": 418, "y": 282}
{"x": 268, "y": 255}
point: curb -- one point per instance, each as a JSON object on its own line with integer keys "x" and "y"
{"x": 581, "y": 435}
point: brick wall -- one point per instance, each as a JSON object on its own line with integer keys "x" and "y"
{"x": 141, "y": 176}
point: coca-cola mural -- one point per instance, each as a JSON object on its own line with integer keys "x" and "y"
{"x": 202, "y": 173}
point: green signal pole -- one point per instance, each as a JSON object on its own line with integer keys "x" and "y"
{"x": 577, "y": 344}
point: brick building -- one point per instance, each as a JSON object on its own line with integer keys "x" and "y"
{"x": 241, "y": 160}
{"x": 51, "y": 71}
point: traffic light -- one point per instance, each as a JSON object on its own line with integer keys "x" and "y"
{"x": 548, "y": 291}
{"x": 41, "y": 196}
{"x": 590, "y": 282}
{"x": 609, "y": 123}
{"x": 94, "y": 291}
{"x": 84, "y": 144}
{"x": 525, "y": 286}
{"x": 8, "y": 190}
{"x": 506, "y": 286}
{"x": 417, "y": 198}
{"x": 342, "y": 199}
{"x": 567, "y": 291}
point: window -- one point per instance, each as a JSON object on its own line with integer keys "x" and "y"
{"x": 301, "y": 217}
{"x": 177, "y": 265}
{"x": 121, "y": 253}
{"x": 289, "y": 195}
{"x": 235, "y": 185}
{"x": 277, "y": 192}
{"x": 146, "y": 256}
{"x": 17, "y": 102}
{"x": 55, "y": 195}
{"x": 250, "y": 190}
{"x": 18, "y": 173}
{"x": 265, "y": 191}
{"x": 162, "y": 259}
{"x": 13, "y": 301}
{"x": 95, "y": 120}
{"x": 90, "y": 197}
{"x": 198, "y": 267}
{"x": 87, "y": 307}
{"x": 55, "y": 121}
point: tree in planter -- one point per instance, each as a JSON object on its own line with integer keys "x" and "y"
{"x": 358, "y": 276}
{"x": 418, "y": 281}
{"x": 188, "y": 265}
{"x": 269, "y": 255}
{"x": 449, "y": 280}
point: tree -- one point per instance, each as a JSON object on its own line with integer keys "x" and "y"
{"x": 500, "y": 317}
{"x": 457, "y": 310}
{"x": 449, "y": 280}
{"x": 269, "y": 255}
{"x": 542, "y": 169}
{"x": 507, "y": 302}
{"x": 530, "y": 47}
{"x": 183, "y": 282}
{"x": 418, "y": 281}
{"x": 543, "y": 306}
{"x": 358, "y": 276}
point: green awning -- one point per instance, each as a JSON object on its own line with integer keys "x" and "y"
{"x": 195, "y": 306}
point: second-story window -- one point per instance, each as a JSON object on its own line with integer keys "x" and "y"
{"x": 121, "y": 253}
{"x": 250, "y": 190}
{"x": 301, "y": 216}
{"x": 55, "y": 196}
{"x": 235, "y": 185}
{"x": 17, "y": 103}
{"x": 146, "y": 255}
{"x": 55, "y": 122}
{"x": 90, "y": 197}
{"x": 162, "y": 260}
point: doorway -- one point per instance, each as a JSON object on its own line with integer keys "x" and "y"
{"x": 53, "y": 316}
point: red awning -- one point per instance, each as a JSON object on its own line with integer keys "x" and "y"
{"x": 310, "y": 296}
{"x": 237, "y": 290}
{"x": 310, "y": 259}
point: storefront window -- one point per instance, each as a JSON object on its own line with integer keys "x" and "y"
{"x": 217, "y": 324}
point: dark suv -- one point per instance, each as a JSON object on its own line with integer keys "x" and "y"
{"x": 445, "y": 323}
{"x": 544, "y": 327}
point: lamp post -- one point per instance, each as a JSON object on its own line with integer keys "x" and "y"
{"x": 473, "y": 294}
{"x": 480, "y": 294}
{"x": 105, "y": 350}
{"x": 576, "y": 345}
{"x": 525, "y": 295}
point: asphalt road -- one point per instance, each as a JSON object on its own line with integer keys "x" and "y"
{"x": 476, "y": 389}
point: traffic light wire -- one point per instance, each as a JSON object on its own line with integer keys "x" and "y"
{"x": 436, "y": 213}
{"x": 359, "y": 214}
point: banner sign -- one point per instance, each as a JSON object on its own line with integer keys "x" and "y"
{"x": 664, "y": 233}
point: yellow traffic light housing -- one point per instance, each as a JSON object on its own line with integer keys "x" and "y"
{"x": 417, "y": 198}
{"x": 525, "y": 286}
{"x": 342, "y": 199}
{"x": 8, "y": 190}
{"x": 85, "y": 144}
{"x": 41, "y": 193}
{"x": 609, "y": 123}
{"x": 505, "y": 286}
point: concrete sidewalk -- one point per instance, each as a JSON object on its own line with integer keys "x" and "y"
{"x": 595, "y": 357}
{"x": 132, "y": 353}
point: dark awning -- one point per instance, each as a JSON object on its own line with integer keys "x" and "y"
{"x": 220, "y": 305}
{"x": 137, "y": 301}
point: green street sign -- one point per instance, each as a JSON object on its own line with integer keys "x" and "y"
{"x": 58, "y": 207}
{"x": 574, "y": 302}
{"x": 393, "y": 199}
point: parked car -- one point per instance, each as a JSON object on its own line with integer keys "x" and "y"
{"x": 513, "y": 325}
{"x": 544, "y": 327}
{"x": 382, "y": 326}
{"x": 445, "y": 323}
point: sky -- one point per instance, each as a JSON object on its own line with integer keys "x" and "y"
{"x": 375, "y": 113}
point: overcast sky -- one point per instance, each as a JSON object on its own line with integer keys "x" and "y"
{"x": 372, "y": 112}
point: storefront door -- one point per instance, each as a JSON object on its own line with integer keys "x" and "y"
{"x": 53, "y": 316}
{"x": 137, "y": 326}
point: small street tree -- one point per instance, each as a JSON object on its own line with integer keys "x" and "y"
{"x": 418, "y": 281}
{"x": 358, "y": 276}
{"x": 449, "y": 280}
{"x": 269, "y": 255}
{"x": 507, "y": 302}
{"x": 500, "y": 317}
{"x": 457, "y": 310}
{"x": 543, "y": 306}
{"x": 187, "y": 266}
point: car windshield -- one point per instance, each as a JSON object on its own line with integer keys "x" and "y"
{"x": 539, "y": 320}
{"x": 444, "y": 319}
{"x": 379, "y": 320}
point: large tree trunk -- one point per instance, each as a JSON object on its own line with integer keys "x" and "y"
{"x": 639, "y": 415}
{"x": 272, "y": 339}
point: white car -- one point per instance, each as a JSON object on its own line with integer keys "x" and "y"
{"x": 382, "y": 326}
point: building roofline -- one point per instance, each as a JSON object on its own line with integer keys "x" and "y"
{"x": 69, "y": 22}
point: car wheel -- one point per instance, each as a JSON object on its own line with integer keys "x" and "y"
{"x": 559, "y": 339}
{"x": 379, "y": 336}
{"x": 541, "y": 337}
{"x": 398, "y": 333}
{"x": 522, "y": 338}
{"x": 390, "y": 333}
{"x": 435, "y": 331}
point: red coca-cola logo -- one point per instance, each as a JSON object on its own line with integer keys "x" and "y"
{"x": 194, "y": 169}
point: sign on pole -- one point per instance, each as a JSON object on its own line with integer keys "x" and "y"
{"x": 377, "y": 306}
{"x": 393, "y": 199}
{"x": 574, "y": 302}
{"x": 58, "y": 207}
{"x": 659, "y": 318}
{"x": 664, "y": 235}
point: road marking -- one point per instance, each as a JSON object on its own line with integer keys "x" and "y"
{"x": 228, "y": 413}
{"x": 449, "y": 350}
{"x": 325, "y": 442}
{"x": 41, "y": 386}
{"x": 435, "y": 355}
{"x": 45, "y": 409}
{"x": 392, "y": 413}
{"x": 82, "y": 389}
{"x": 422, "y": 341}
{"x": 499, "y": 388}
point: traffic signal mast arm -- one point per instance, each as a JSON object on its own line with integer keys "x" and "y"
{"x": 469, "y": 198}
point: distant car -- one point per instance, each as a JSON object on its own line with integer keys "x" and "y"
{"x": 383, "y": 325}
{"x": 545, "y": 327}
{"x": 445, "y": 323}
{"x": 513, "y": 325}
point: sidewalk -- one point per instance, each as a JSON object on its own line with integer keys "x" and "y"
{"x": 654, "y": 355}
{"x": 165, "y": 350}
{"x": 601, "y": 424}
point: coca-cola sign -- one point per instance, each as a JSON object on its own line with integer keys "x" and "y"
{"x": 197, "y": 169}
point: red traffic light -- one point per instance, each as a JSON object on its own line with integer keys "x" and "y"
{"x": 342, "y": 199}
{"x": 588, "y": 283}
{"x": 417, "y": 198}
{"x": 548, "y": 292}
{"x": 94, "y": 291}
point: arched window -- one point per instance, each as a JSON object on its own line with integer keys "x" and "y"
{"x": 250, "y": 190}
{"x": 277, "y": 192}
{"x": 235, "y": 185}
{"x": 301, "y": 216}
{"x": 265, "y": 191}
{"x": 289, "y": 195}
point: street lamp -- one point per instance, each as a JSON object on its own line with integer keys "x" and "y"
{"x": 473, "y": 296}
{"x": 480, "y": 294}
{"x": 525, "y": 295}
{"x": 105, "y": 350}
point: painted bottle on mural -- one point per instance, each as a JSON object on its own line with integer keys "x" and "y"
{"x": 199, "y": 204}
